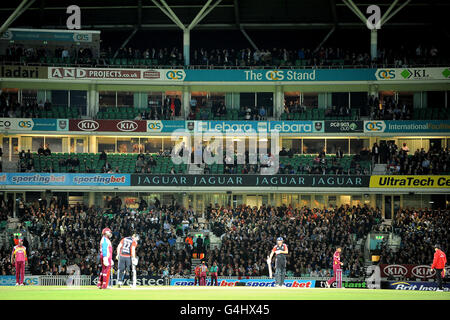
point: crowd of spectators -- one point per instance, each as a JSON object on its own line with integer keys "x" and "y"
{"x": 389, "y": 109}
{"x": 323, "y": 56}
{"x": 73, "y": 54}
{"x": 60, "y": 235}
{"x": 433, "y": 162}
{"x": 312, "y": 235}
{"x": 420, "y": 230}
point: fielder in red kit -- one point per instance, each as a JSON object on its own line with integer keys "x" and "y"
{"x": 203, "y": 271}
{"x": 197, "y": 275}
{"x": 439, "y": 262}
{"x": 19, "y": 259}
{"x": 337, "y": 271}
{"x": 106, "y": 253}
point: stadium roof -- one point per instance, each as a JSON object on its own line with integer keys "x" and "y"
{"x": 226, "y": 15}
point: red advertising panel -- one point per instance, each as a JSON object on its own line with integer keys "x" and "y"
{"x": 408, "y": 271}
{"x": 108, "y": 125}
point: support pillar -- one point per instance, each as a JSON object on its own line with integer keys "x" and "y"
{"x": 186, "y": 100}
{"x": 93, "y": 107}
{"x": 186, "y": 46}
{"x": 91, "y": 199}
{"x": 373, "y": 44}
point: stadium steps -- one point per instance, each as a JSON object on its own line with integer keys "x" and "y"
{"x": 194, "y": 263}
{"x": 9, "y": 166}
{"x": 379, "y": 169}
{"x": 194, "y": 169}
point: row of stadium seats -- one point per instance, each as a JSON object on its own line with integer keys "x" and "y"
{"x": 59, "y": 112}
{"x": 317, "y": 114}
{"x": 126, "y": 163}
{"x": 431, "y": 114}
{"x": 118, "y": 113}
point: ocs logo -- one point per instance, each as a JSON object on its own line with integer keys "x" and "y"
{"x": 274, "y": 75}
{"x": 154, "y": 126}
{"x": 175, "y": 75}
{"x": 386, "y": 74}
{"x": 374, "y": 126}
{"x": 25, "y": 124}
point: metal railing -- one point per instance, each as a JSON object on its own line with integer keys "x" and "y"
{"x": 222, "y": 67}
{"x": 64, "y": 280}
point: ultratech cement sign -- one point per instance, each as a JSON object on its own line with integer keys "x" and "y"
{"x": 250, "y": 180}
{"x": 394, "y": 181}
{"x": 344, "y": 126}
{"x": 22, "y": 72}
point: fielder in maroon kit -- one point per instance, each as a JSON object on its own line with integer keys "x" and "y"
{"x": 19, "y": 259}
{"x": 337, "y": 271}
{"x": 197, "y": 275}
{"x": 203, "y": 271}
{"x": 106, "y": 253}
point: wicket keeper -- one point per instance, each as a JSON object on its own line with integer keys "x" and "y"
{"x": 281, "y": 251}
{"x": 337, "y": 271}
{"x": 126, "y": 257}
{"x": 106, "y": 253}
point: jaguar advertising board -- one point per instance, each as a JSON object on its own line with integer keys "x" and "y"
{"x": 238, "y": 180}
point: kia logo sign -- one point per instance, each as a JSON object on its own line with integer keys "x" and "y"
{"x": 395, "y": 270}
{"x": 423, "y": 271}
{"x": 88, "y": 125}
{"x": 127, "y": 125}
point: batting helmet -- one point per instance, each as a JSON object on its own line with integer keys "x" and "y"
{"x": 106, "y": 230}
{"x": 280, "y": 239}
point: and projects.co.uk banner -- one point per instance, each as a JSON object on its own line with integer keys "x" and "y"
{"x": 68, "y": 73}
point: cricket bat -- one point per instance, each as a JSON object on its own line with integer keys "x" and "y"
{"x": 269, "y": 264}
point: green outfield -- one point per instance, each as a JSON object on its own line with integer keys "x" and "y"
{"x": 207, "y": 293}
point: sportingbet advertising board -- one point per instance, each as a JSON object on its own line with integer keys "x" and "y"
{"x": 296, "y": 283}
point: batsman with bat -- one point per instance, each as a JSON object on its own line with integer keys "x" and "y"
{"x": 126, "y": 256}
{"x": 281, "y": 251}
